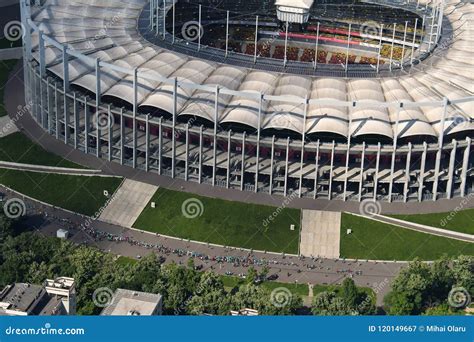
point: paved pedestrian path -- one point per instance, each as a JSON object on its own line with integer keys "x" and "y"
{"x": 320, "y": 234}
{"x": 128, "y": 203}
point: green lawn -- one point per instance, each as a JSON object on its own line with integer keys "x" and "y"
{"x": 374, "y": 240}
{"x": 298, "y": 289}
{"x": 222, "y": 222}
{"x": 5, "y": 68}
{"x": 81, "y": 194}
{"x": 123, "y": 260}
{"x": 17, "y": 148}
{"x": 461, "y": 221}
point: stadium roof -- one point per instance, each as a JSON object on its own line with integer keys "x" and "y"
{"x": 77, "y": 23}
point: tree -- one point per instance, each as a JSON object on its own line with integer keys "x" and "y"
{"x": 350, "y": 293}
{"x": 251, "y": 275}
{"x": 327, "y": 303}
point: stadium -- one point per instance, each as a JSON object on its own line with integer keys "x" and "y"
{"x": 347, "y": 100}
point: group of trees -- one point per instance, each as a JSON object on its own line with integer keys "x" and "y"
{"x": 350, "y": 301}
{"x": 423, "y": 288}
{"x": 28, "y": 257}
{"x": 420, "y": 288}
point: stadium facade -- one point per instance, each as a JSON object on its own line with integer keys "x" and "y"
{"x": 117, "y": 79}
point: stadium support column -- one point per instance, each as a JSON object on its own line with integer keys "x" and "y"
{"x": 422, "y": 172}
{"x": 151, "y": 14}
{"x": 160, "y": 146}
{"x": 259, "y": 127}
{"x": 56, "y": 110}
{"x": 66, "y": 90}
{"x": 303, "y": 138}
{"x": 173, "y": 138}
{"x": 286, "y": 44}
{"x": 394, "y": 152}
{"x": 42, "y": 58}
{"x": 216, "y": 115}
{"x": 361, "y": 182}
{"x": 452, "y": 161}
{"x": 147, "y": 142}
{"x": 76, "y": 121}
{"x": 86, "y": 126}
{"x": 135, "y": 107}
{"x": 404, "y": 44}
{"x": 227, "y": 36}
{"x": 50, "y": 107}
{"x": 97, "y": 105}
{"x": 392, "y": 47}
{"x": 186, "y": 161}
{"x": 431, "y": 29}
{"x": 110, "y": 127}
{"x": 256, "y": 40}
{"x": 380, "y": 48}
{"x": 122, "y": 137}
{"x": 286, "y": 165}
{"x": 330, "y": 170}
{"x": 25, "y": 15}
{"x": 200, "y": 155}
{"x": 347, "y": 49}
{"x": 164, "y": 19}
{"x": 157, "y": 11}
{"x": 316, "y": 170}
{"x": 439, "y": 153}
{"x": 243, "y": 163}
{"x": 200, "y": 28}
{"x": 348, "y": 153}
{"x": 440, "y": 20}
{"x": 229, "y": 147}
{"x": 316, "y": 47}
{"x": 377, "y": 167}
{"x": 465, "y": 166}
{"x": 174, "y": 21}
{"x": 407, "y": 173}
{"x": 271, "y": 165}
{"x": 413, "y": 42}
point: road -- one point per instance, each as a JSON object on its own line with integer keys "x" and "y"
{"x": 131, "y": 243}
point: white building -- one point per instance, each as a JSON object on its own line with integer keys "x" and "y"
{"x": 293, "y": 11}
{"x": 55, "y": 297}
{"x": 134, "y": 303}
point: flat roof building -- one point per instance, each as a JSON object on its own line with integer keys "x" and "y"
{"x": 134, "y": 303}
{"x": 54, "y": 297}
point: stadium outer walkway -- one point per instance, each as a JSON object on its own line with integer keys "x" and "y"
{"x": 14, "y": 96}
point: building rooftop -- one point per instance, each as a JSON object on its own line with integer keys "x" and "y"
{"x": 133, "y": 303}
{"x": 20, "y": 297}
